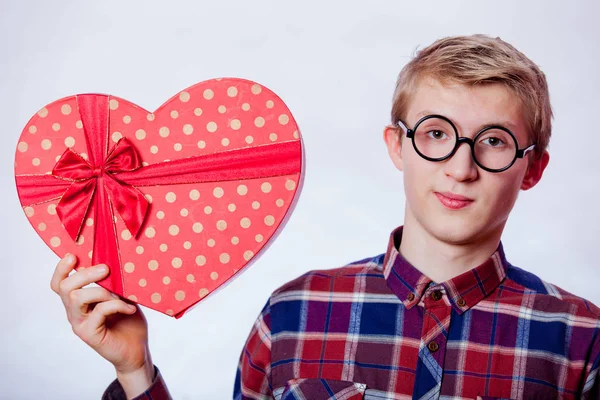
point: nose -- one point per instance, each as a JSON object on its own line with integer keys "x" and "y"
{"x": 461, "y": 165}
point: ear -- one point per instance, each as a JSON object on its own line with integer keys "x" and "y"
{"x": 534, "y": 171}
{"x": 393, "y": 142}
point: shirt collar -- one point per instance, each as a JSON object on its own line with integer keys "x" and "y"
{"x": 464, "y": 291}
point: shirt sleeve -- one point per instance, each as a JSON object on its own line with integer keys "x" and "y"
{"x": 157, "y": 390}
{"x": 591, "y": 388}
{"x": 252, "y": 380}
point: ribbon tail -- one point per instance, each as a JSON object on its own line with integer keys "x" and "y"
{"x": 129, "y": 202}
{"x": 74, "y": 206}
{"x": 36, "y": 189}
{"x": 106, "y": 246}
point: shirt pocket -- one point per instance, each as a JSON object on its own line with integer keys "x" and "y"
{"x": 322, "y": 389}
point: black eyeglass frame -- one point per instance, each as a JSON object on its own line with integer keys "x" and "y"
{"x": 519, "y": 153}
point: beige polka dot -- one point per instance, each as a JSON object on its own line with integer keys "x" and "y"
{"x": 51, "y": 209}
{"x": 160, "y": 214}
{"x": 231, "y": 207}
{"x": 43, "y": 112}
{"x": 126, "y": 119}
{"x": 171, "y": 197}
{"x": 116, "y": 136}
{"x": 269, "y": 220}
{"x": 84, "y": 156}
{"x": 235, "y": 124}
{"x": 150, "y": 117}
{"x": 90, "y": 254}
{"x": 148, "y": 197}
{"x": 249, "y": 139}
{"x": 194, "y": 194}
{"x": 259, "y": 122}
{"x": 42, "y": 226}
{"x": 56, "y": 127}
{"x": 210, "y": 242}
{"x": 163, "y": 247}
{"x": 79, "y": 125}
{"x": 279, "y": 202}
{"x": 235, "y": 240}
{"x": 248, "y": 255}
{"x": 232, "y": 91}
{"x": 184, "y": 212}
{"x": 218, "y": 192}
{"x": 202, "y": 292}
{"x": 188, "y": 129}
{"x": 113, "y": 104}
{"x": 152, "y": 265}
{"x": 296, "y": 135}
{"x": 132, "y": 297}
{"x": 201, "y": 144}
{"x": 22, "y": 147}
{"x": 225, "y": 142}
{"x": 273, "y": 137}
{"x": 283, "y": 119}
{"x": 208, "y": 94}
{"x": 126, "y": 235}
{"x": 166, "y": 280}
{"x": 242, "y": 190}
{"x": 245, "y": 106}
{"x": 179, "y": 295}
{"x": 177, "y": 146}
{"x": 187, "y": 245}
{"x": 46, "y": 144}
{"x": 153, "y": 149}
{"x": 142, "y": 282}
{"x": 290, "y": 185}
{"x": 245, "y": 222}
{"x": 129, "y": 267}
{"x": 197, "y": 112}
{"x": 224, "y": 258}
{"x": 270, "y": 104}
{"x": 169, "y": 312}
{"x": 55, "y": 241}
{"x": 190, "y": 278}
{"x": 69, "y": 141}
{"x": 255, "y": 205}
{"x": 155, "y": 298}
{"x": 197, "y": 227}
{"x": 150, "y": 232}
{"x": 208, "y": 210}
{"x": 259, "y": 238}
{"x": 211, "y": 127}
{"x": 214, "y": 276}
{"x": 200, "y": 260}
{"x": 164, "y": 132}
{"x": 65, "y": 109}
{"x": 80, "y": 240}
{"x": 89, "y": 222}
{"x": 173, "y": 230}
{"x": 256, "y": 89}
{"x": 222, "y": 109}
{"x": 139, "y": 249}
{"x": 266, "y": 187}
{"x": 140, "y": 134}
{"x": 184, "y": 96}
{"x": 221, "y": 225}
{"x": 36, "y": 162}
{"x": 32, "y": 129}
{"x": 176, "y": 262}
{"x": 174, "y": 114}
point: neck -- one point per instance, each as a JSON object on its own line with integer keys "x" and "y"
{"x": 441, "y": 260}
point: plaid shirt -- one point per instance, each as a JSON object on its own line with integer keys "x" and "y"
{"x": 379, "y": 329}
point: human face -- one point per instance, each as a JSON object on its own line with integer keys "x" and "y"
{"x": 456, "y": 201}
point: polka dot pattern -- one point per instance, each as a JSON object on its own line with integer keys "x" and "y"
{"x": 196, "y": 236}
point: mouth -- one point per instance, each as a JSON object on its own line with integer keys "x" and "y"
{"x": 453, "y": 201}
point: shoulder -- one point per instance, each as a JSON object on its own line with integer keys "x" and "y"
{"x": 550, "y": 297}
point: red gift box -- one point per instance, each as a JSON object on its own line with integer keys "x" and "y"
{"x": 177, "y": 201}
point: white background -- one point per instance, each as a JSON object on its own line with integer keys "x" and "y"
{"x": 334, "y": 63}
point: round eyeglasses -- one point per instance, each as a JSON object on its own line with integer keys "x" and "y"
{"x": 494, "y": 148}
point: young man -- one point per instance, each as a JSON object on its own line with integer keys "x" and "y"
{"x": 442, "y": 313}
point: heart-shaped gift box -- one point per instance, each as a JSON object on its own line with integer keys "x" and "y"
{"x": 176, "y": 201}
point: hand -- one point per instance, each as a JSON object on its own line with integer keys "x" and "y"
{"x": 113, "y": 328}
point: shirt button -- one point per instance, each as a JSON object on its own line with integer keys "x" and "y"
{"x": 461, "y": 302}
{"x": 410, "y": 297}
{"x": 433, "y": 347}
{"x": 436, "y": 295}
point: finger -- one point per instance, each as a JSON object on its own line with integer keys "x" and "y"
{"x": 62, "y": 270}
{"x": 102, "y": 310}
{"x": 81, "y": 299}
{"x": 81, "y": 279}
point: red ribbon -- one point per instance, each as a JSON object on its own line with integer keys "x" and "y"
{"x": 110, "y": 181}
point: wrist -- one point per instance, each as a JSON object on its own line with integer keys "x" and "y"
{"x": 137, "y": 381}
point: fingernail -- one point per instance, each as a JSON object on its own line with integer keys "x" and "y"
{"x": 132, "y": 308}
{"x": 102, "y": 269}
{"x": 70, "y": 257}
{"x": 115, "y": 296}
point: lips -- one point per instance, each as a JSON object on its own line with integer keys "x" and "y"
{"x": 453, "y": 201}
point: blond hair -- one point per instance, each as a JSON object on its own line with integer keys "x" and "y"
{"x": 475, "y": 60}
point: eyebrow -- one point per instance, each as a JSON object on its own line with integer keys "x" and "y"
{"x": 507, "y": 124}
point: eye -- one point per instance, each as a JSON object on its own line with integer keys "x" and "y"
{"x": 493, "y": 141}
{"x": 437, "y": 134}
